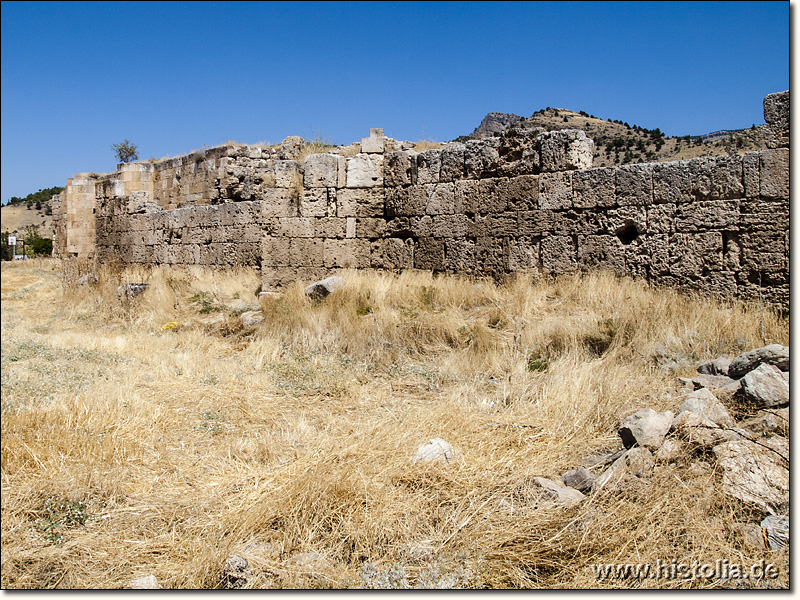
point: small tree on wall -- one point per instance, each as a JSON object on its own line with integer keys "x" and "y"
{"x": 125, "y": 152}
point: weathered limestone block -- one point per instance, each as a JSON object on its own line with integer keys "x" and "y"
{"x": 275, "y": 251}
{"x": 502, "y": 225}
{"x": 751, "y": 176}
{"x": 448, "y": 226}
{"x": 489, "y": 199}
{"x": 634, "y": 184}
{"x": 329, "y": 227}
{"x": 558, "y": 254}
{"x": 316, "y": 202}
{"x": 727, "y": 178}
{"x": 707, "y": 214}
{"x": 249, "y": 233}
{"x": 523, "y": 253}
{"x": 286, "y": 172}
{"x": 536, "y": 222}
{"x": 522, "y": 192}
{"x": 347, "y": 253}
{"x": 555, "y": 190}
{"x": 601, "y": 252}
{"x": 428, "y": 164}
{"x": 321, "y": 170}
{"x": 764, "y": 251}
{"x": 370, "y": 227}
{"x": 360, "y": 202}
{"x": 365, "y": 171}
{"x": 661, "y": 218}
{"x": 440, "y": 199}
{"x": 482, "y": 158}
{"x": 400, "y": 168}
{"x": 375, "y": 143}
{"x": 490, "y": 255}
{"x": 774, "y": 173}
{"x": 477, "y": 226}
{"x": 421, "y": 226}
{"x": 594, "y": 188}
{"x": 460, "y": 255}
{"x": 452, "y": 166}
{"x": 693, "y": 254}
{"x": 465, "y": 193}
{"x": 563, "y": 150}
{"x": 392, "y": 253}
{"x": 626, "y": 222}
{"x": 765, "y": 386}
{"x": 429, "y": 254}
{"x": 294, "y": 227}
{"x": 305, "y": 252}
{"x": 776, "y": 115}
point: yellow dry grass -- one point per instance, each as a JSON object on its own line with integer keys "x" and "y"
{"x": 160, "y": 435}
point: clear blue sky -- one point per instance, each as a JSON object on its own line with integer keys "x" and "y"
{"x": 174, "y": 76}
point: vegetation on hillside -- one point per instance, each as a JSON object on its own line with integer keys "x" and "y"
{"x": 160, "y": 435}
{"x": 39, "y": 200}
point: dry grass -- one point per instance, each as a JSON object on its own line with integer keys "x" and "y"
{"x": 160, "y": 436}
{"x": 427, "y": 145}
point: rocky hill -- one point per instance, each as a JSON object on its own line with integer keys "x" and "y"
{"x": 618, "y": 142}
{"x": 15, "y": 218}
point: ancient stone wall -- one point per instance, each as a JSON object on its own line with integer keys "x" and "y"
{"x": 527, "y": 201}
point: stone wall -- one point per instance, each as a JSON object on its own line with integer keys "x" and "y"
{"x": 527, "y": 201}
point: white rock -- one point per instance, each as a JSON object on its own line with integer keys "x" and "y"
{"x": 148, "y": 582}
{"x": 645, "y": 427}
{"x": 436, "y": 450}
{"x": 705, "y": 404}
{"x": 754, "y": 474}
{"x": 765, "y": 386}
{"x": 320, "y": 289}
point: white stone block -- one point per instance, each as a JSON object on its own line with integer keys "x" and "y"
{"x": 364, "y": 171}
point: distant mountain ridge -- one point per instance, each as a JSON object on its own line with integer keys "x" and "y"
{"x": 618, "y": 142}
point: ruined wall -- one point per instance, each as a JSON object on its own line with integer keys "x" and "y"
{"x": 527, "y": 201}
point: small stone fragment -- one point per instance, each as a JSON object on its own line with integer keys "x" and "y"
{"x": 718, "y": 366}
{"x": 705, "y": 404}
{"x": 321, "y": 289}
{"x": 566, "y": 496}
{"x": 148, "y": 582}
{"x": 645, "y": 428}
{"x": 436, "y": 450}
{"x": 580, "y": 479}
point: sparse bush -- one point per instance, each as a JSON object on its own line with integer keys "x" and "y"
{"x": 125, "y": 151}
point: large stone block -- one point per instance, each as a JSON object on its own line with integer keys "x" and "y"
{"x": 693, "y": 255}
{"x": 634, "y": 185}
{"x": 523, "y": 253}
{"x": 727, "y": 178}
{"x": 555, "y": 191}
{"x": 294, "y": 227}
{"x": 452, "y": 167}
{"x": 626, "y": 222}
{"x": 535, "y": 222}
{"x": 421, "y": 226}
{"x": 460, "y": 256}
{"x": 370, "y": 227}
{"x": 329, "y": 227}
{"x": 286, "y": 172}
{"x": 563, "y": 150}
{"x": 321, "y": 170}
{"x": 764, "y": 250}
{"x": 503, "y": 225}
{"x": 392, "y": 253}
{"x": 490, "y": 198}
{"x": 558, "y": 254}
{"x": 429, "y": 163}
{"x": 400, "y": 168}
{"x": 774, "y": 173}
{"x": 751, "y": 175}
{"x": 448, "y": 226}
{"x": 375, "y": 143}
{"x": 601, "y": 252}
{"x": 429, "y": 254}
{"x": 522, "y": 192}
{"x": 360, "y": 202}
{"x": 482, "y": 158}
{"x": 440, "y": 198}
{"x": 776, "y": 115}
{"x": 661, "y": 218}
{"x": 305, "y": 252}
{"x": 465, "y": 193}
{"x": 347, "y": 253}
{"x": 490, "y": 255}
{"x": 316, "y": 202}
{"x": 705, "y": 215}
{"x": 593, "y": 187}
{"x": 365, "y": 171}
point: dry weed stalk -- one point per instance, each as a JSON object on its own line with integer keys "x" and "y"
{"x": 129, "y": 448}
